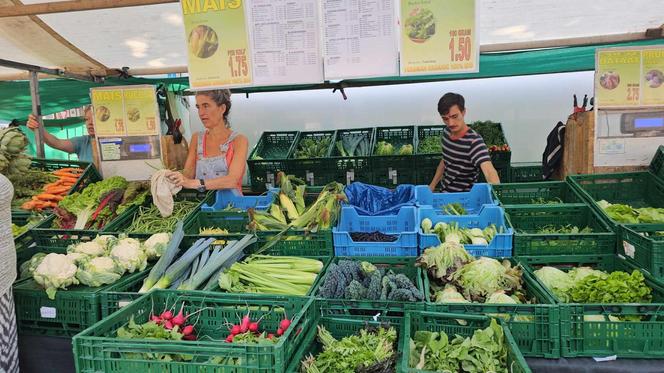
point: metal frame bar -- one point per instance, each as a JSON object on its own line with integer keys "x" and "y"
{"x": 73, "y": 6}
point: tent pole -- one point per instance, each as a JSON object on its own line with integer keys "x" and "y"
{"x": 36, "y": 110}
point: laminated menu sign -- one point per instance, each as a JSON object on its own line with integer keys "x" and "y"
{"x": 360, "y": 38}
{"x": 141, "y": 109}
{"x": 439, "y": 37}
{"x": 285, "y": 41}
{"x": 652, "y": 83}
{"x": 109, "y": 118}
{"x": 617, "y": 78}
{"x": 217, "y": 44}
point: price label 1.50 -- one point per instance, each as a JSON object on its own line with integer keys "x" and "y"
{"x": 460, "y": 45}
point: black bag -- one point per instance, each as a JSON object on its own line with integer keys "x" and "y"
{"x": 553, "y": 153}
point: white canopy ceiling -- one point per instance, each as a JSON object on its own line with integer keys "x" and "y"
{"x": 151, "y": 38}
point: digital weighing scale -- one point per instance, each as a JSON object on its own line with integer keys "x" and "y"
{"x": 643, "y": 124}
{"x": 127, "y": 128}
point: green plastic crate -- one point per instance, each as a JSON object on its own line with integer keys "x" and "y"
{"x": 535, "y": 326}
{"x": 657, "y": 163}
{"x": 392, "y": 170}
{"x": 629, "y": 339}
{"x": 314, "y": 171}
{"x": 398, "y": 265}
{"x": 531, "y": 193}
{"x": 449, "y": 323}
{"x": 526, "y": 172}
{"x": 637, "y": 189}
{"x": 358, "y": 168}
{"x": 339, "y": 327}
{"x": 427, "y": 163}
{"x": 646, "y": 251}
{"x": 269, "y": 157}
{"x": 98, "y": 350}
{"x": 504, "y": 174}
{"x": 527, "y": 219}
{"x": 72, "y": 310}
{"x": 500, "y": 159}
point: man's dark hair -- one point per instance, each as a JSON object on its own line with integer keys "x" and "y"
{"x": 448, "y": 100}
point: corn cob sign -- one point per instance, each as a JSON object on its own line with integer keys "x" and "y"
{"x": 217, "y": 45}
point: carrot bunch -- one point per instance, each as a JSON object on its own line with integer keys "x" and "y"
{"x": 56, "y": 191}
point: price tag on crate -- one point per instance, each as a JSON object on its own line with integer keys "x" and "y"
{"x": 392, "y": 175}
{"x": 48, "y": 312}
{"x": 350, "y": 176}
{"x": 122, "y": 303}
{"x": 270, "y": 180}
{"x": 629, "y": 249}
{"x": 310, "y": 178}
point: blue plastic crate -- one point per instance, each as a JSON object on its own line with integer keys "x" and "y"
{"x": 481, "y": 194}
{"x": 500, "y": 246}
{"x": 233, "y": 197}
{"x": 404, "y": 225}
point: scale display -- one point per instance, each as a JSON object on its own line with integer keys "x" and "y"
{"x": 639, "y": 123}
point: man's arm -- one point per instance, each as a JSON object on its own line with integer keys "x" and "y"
{"x": 50, "y": 140}
{"x": 438, "y": 176}
{"x": 490, "y": 173}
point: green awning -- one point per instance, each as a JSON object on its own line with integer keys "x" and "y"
{"x": 63, "y": 94}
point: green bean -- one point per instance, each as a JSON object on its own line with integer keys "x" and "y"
{"x": 148, "y": 219}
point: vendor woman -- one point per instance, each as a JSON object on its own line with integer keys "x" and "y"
{"x": 217, "y": 156}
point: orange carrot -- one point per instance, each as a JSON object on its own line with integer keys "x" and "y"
{"x": 70, "y": 169}
{"x": 66, "y": 175}
{"x": 49, "y": 197}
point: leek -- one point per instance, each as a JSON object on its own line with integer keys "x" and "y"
{"x": 166, "y": 258}
{"x": 180, "y": 266}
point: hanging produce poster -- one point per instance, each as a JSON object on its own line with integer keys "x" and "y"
{"x": 141, "y": 111}
{"x": 439, "y": 37}
{"x": 125, "y": 111}
{"x": 617, "y": 78}
{"x": 217, "y": 44}
{"x": 109, "y": 116}
{"x": 652, "y": 83}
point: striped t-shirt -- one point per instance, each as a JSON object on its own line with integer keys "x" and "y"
{"x": 462, "y": 160}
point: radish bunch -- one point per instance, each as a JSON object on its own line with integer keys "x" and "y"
{"x": 248, "y": 331}
{"x": 176, "y": 322}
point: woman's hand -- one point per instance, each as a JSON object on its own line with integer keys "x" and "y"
{"x": 180, "y": 180}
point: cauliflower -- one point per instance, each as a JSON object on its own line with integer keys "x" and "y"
{"x": 156, "y": 245}
{"x": 78, "y": 258}
{"x": 129, "y": 256}
{"x": 99, "y": 271}
{"x": 107, "y": 241}
{"x": 29, "y": 266}
{"x": 90, "y": 248}
{"x": 56, "y": 271}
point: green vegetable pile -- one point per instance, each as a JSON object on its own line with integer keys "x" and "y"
{"x": 350, "y": 279}
{"x": 370, "y": 350}
{"x": 99, "y": 203}
{"x": 492, "y": 134}
{"x": 559, "y": 229}
{"x": 28, "y": 183}
{"x": 454, "y": 209}
{"x": 485, "y": 351}
{"x": 629, "y": 215}
{"x": 544, "y": 201}
{"x": 271, "y": 275}
{"x": 587, "y": 285}
{"x": 13, "y": 144}
{"x": 385, "y": 148}
{"x": 149, "y": 219}
{"x": 18, "y": 230}
{"x": 313, "y": 148}
{"x": 430, "y": 145}
{"x": 457, "y": 277}
{"x": 452, "y": 233}
{"x": 354, "y": 145}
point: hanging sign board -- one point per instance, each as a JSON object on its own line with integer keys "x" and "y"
{"x": 217, "y": 44}
{"x": 439, "y": 37}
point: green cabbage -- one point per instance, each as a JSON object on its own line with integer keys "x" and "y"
{"x": 99, "y": 271}
{"x": 555, "y": 280}
{"x": 484, "y": 276}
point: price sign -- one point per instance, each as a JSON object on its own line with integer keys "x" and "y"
{"x": 617, "y": 78}
{"x": 439, "y": 37}
{"x": 217, "y": 43}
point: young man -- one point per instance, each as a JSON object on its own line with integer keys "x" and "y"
{"x": 81, "y": 145}
{"x": 464, "y": 151}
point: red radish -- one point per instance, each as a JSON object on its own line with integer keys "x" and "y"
{"x": 235, "y": 330}
{"x": 179, "y": 319}
{"x": 270, "y": 336}
{"x": 244, "y": 325}
{"x": 229, "y": 339}
{"x": 168, "y": 325}
{"x": 253, "y": 327}
{"x": 167, "y": 315}
{"x": 284, "y": 324}
{"x": 156, "y": 319}
{"x": 187, "y": 330}
{"x": 189, "y": 337}
{"x": 280, "y": 332}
